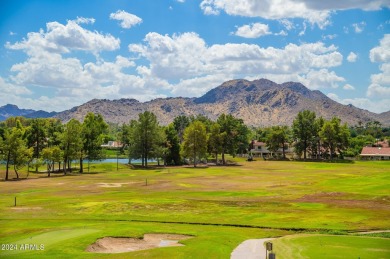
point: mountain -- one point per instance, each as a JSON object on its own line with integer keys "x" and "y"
{"x": 11, "y": 110}
{"x": 259, "y": 103}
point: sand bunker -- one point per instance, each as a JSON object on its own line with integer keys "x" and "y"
{"x": 123, "y": 245}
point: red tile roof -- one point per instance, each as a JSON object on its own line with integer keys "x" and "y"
{"x": 375, "y": 151}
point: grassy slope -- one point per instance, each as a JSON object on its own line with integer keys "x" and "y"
{"x": 325, "y": 196}
{"x": 327, "y": 246}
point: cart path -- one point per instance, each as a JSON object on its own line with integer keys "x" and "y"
{"x": 250, "y": 249}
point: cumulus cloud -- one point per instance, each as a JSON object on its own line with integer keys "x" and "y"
{"x": 352, "y": 57}
{"x": 323, "y": 78}
{"x": 381, "y": 53}
{"x": 377, "y": 106}
{"x": 72, "y": 80}
{"x": 266, "y": 9}
{"x": 380, "y": 83}
{"x": 188, "y": 57}
{"x": 128, "y": 20}
{"x": 316, "y": 12}
{"x": 7, "y": 88}
{"x": 60, "y": 38}
{"x": 254, "y": 30}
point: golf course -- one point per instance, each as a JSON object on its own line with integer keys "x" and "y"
{"x": 312, "y": 209}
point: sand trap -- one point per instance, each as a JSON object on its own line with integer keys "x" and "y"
{"x": 123, "y": 245}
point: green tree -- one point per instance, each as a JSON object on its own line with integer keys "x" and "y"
{"x": 233, "y": 132}
{"x": 37, "y": 136}
{"x": 195, "y": 141}
{"x": 304, "y": 131}
{"x": 335, "y": 136}
{"x": 215, "y": 140}
{"x": 315, "y": 147}
{"x": 180, "y": 123}
{"x": 278, "y": 138}
{"x": 173, "y": 144}
{"x": 51, "y": 155}
{"x": 54, "y": 130}
{"x": 14, "y": 149}
{"x": 93, "y": 130}
{"x": 71, "y": 142}
{"x": 145, "y": 136}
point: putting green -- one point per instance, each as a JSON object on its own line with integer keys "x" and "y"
{"x": 331, "y": 246}
{"x": 43, "y": 241}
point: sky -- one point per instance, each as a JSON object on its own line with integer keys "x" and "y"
{"x": 59, "y": 54}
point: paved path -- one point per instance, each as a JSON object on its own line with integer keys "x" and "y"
{"x": 250, "y": 249}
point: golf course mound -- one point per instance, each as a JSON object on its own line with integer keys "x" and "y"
{"x": 124, "y": 244}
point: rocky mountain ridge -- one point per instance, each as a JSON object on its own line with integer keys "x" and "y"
{"x": 10, "y": 110}
{"x": 259, "y": 103}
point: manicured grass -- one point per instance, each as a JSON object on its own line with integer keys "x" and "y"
{"x": 265, "y": 198}
{"x": 327, "y": 246}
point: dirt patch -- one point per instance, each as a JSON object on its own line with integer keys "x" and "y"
{"x": 25, "y": 208}
{"x": 123, "y": 244}
{"x": 110, "y": 185}
{"x": 341, "y": 200}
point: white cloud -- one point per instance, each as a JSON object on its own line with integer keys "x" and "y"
{"x": 381, "y": 53}
{"x": 128, "y": 20}
{"x": 314, "y": 11}
{"x": 181, "y": 1}
{"x": 267, "y": 9}
{"x": 301, "y": 33}
{"x": 281, "y": 33}
{"x": 69, "y": 79}
{"x": 378, "y": 91}
{"x": 359, "y": 27}
{"x": 317, "y": 79}
{"x": 254, "y": 30}
{"x": 7, "y": 88}
{"x": 352, "y": 57}
{"x": 377, "y": 106}
{"x": 60, "y": 38}
{"x": 187, "y": 55}
{"x": 287, "y": 24}
{"x": 329, "y": 36}
{"x": 199, "y": 66}
{"x": 380, "y": 83}
{"x": 348, "y": 87}
{"x": 81, "y": 20}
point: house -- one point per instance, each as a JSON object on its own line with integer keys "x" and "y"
{"x": 112, "y": 144}
{"x": 259, "y": 149}
{"x": 375, "y": 153}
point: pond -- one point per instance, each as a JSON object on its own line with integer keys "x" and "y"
{"x": 120, "y": 161}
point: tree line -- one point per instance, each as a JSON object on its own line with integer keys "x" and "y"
{"x": 47, "y": 141}
{"x": 188, "y": 139}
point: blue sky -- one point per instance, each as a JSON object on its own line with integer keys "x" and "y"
{"x": 59, "y": 54}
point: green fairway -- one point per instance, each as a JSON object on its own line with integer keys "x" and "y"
{"x": 219, "y": 206}
{"x": 325, "y": 246}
